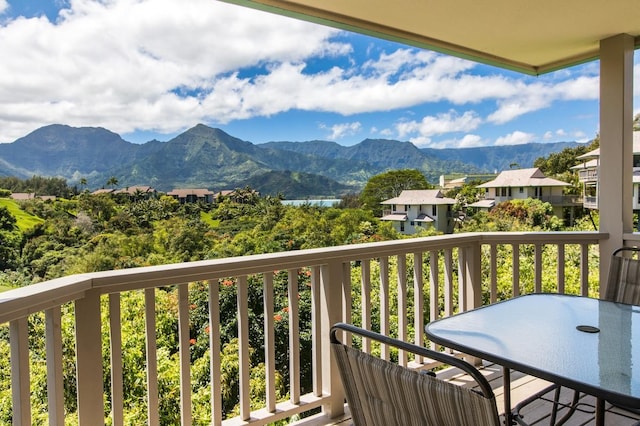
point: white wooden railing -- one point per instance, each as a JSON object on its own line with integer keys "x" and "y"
{"x": 394, "y": 286}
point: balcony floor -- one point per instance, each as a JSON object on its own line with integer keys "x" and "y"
{"x": 522, "y": 386}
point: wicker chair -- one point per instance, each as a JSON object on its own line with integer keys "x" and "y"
{"x": 623, "y": 283}
{"x": 381, "y": 393}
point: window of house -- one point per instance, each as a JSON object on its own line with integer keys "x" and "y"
{"x": 434, "y": 210}
{"x": 406, "y": 208}
{"x": 401, "y": 226}
{"x": 509, "y": 191}
{"x": 393, "y": 207}
{"x": 521, "y": 190}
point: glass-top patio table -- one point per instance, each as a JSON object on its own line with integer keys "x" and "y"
{"x": 585, "y": 344}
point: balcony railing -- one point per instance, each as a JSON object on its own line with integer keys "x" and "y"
{"x": 588, "y": 175}
{"x": 394, "y": 287}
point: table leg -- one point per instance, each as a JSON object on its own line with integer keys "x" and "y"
{"x": 506, "y": 385}
{"x": 599, "y": 412}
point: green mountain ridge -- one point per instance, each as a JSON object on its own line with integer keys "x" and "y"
{"x": 209, "y": 157}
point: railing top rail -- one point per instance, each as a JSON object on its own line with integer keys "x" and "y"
{"x": 37, "y": 297}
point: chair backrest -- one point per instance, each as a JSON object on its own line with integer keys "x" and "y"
{"x": 623, "y": 283}
{"x": 382, "y": 393}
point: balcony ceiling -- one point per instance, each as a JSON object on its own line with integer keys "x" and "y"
{"x": 531, "y": 37}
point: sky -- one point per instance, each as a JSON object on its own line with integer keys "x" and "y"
{"x": 151, "y": 69}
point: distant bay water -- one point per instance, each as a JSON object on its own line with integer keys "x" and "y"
{"x": 325, "y": 202}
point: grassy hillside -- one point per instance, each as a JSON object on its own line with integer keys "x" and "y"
{"x": 25, "y": 220}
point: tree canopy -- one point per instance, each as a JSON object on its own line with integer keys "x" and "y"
{"x": 389, "y": 185}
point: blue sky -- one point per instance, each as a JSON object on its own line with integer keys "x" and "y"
{"x": 153, "y": 68}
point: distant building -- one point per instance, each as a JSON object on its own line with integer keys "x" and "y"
{"x": 103, "y": 191}
{"x": 145, "y": 192}
{"x": 458, "y": 180}
{"x": 527, "y": 183}
{"x": 24, "y": 196}
{"x": 588, "y": 175}
{"x": 414, "y": 210}
{"x": 191, "y": 195}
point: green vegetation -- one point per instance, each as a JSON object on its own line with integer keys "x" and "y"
{"x": 389, "y": 185}
{"x": 24, "y": 220}
{"x": 88, "y": 233}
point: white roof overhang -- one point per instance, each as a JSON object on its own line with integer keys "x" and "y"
{"x": 529, "y": 37}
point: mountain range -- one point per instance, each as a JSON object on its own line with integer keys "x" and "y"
{"x": 205, "y": 157}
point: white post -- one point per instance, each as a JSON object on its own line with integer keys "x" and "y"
{"x": 616, "y": 145}
{"x": 331, "y": 306}
{"x": 89, "y": 360}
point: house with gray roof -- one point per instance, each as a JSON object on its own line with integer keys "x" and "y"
{"x": 414, "y": 210}
{"x": 527, "y": 183}
{"x": 588, "y": 172}
{"x": 191, "y": 195}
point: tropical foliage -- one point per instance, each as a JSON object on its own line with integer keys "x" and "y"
{"x": 88, "y": 233}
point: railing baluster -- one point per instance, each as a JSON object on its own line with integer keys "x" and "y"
{"x": 269, "y": 343}
{"x": 561, "y": 266}
{"x": 153, "y": 406}
{"x": 448, "y": 283}
{"x": 316, "y": 335}
{"x": 89, "y": 360}
{"x": 243, "y": 349}
{"x": 115, "y": 344}
{"x": 365, "y": 301}
{"x": 55, "y": 376}
{"x": 294, "y": 338}
{"x": 330, "y": 289}
{"x": 20, "y": 388}
{"x": 434, "y": 292}
{"x": 346, "y": 298}
{"x": 515, "y": 259}
{"x": 184, "y": 339}
{"x": 214, "y": 353}
{"x": 384, "y": 304}
{"x": 462, "y": 281}
{"x": 418, "y": 303}
{"x": 538, "y": 268}
{"x": 493, "y": 272}
{"x": 584, "y": 269}
{"x": 402, "y": 305}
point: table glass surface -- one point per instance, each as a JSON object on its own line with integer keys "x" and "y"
{"x": 537, "y": 334}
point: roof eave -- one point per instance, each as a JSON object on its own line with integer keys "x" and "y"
{"x": 350, "y": 23}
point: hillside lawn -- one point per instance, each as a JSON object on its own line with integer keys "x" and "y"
{"x": 25, "y": 221}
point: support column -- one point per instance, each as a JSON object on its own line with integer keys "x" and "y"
{"x": 616, "y": 145}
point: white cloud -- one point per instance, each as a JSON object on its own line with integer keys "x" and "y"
{"x": 448, "y": 122}
{"x": 3, "y": 6}
{"x": 120, "y": 64}
{"x": 164, "y": 65}
{"x": 339, "y": 131}
{"x": 467, "y": 141}
{"x": 515, "y": 138}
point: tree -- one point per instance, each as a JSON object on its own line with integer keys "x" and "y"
{"x": 558, "y": 163}
{"x": 112, "y": 182}
{"x": 7, "y": 220}
{"x": 389, "y": 185}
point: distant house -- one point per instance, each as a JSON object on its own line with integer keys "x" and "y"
{"x": 145, "y": 192}
{"x": 588, "y": 175}
{"x": 527, "y": 183}
{"x": 189, "y": 195}
{"x": 458, "y": 180}
{"x": 24, "y": 196}
{"x": 414, "y": 210}
{"x": 102, "y": 191}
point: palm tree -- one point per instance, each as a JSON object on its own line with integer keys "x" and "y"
{"x": 113, "y": 182}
